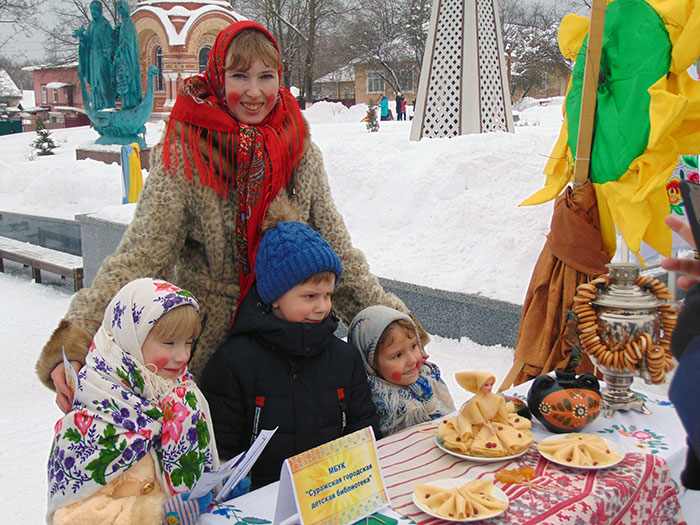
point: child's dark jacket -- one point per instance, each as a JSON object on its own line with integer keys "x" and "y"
{"x": 298, "y": 370}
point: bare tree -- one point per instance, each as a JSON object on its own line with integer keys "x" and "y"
{"x": 68, "y": 15}
{"x": 390, "y": 34}
{"x": 300, "y": 27}
{"x": 530, "y": 33}
{"x": 17, "y": 16}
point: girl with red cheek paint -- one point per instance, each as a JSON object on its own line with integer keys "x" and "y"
{"x": 406, "y": 388}
{"x": 135, "y": 389}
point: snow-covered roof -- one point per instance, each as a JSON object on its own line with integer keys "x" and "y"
{"x": 50, "y": 66}
{"x": 57, "y": 85}
{"x": 7, "y": 87}
{"x": 70, "y": 108}
{"x": 343, "y": 74}
{"x": 164, "y": 10}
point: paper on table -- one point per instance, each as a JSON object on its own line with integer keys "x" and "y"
{"x": 71, "y": 374}
{"x": 208, "y": 480}
{"x": 244, "y": 465}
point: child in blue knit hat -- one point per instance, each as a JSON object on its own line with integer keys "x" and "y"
{"x": 282, "y": 365}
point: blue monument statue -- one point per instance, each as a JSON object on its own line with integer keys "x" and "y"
{"x": 127, "y": 64}
{"x": 95, "y": 54}
{"x": 109, "y": 65}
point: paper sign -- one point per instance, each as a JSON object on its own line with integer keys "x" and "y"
{"x": 237, "y": 467}
{"x": 335, "y": 483}
{"x": 71, "y": 374}
{"x": 208, "y": 480}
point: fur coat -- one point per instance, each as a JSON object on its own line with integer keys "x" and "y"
{"x": 183, "y": 232}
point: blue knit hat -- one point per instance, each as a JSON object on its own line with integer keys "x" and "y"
{"x": 288, "y": 254}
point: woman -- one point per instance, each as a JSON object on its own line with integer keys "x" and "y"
{"x": 234, "y": 140}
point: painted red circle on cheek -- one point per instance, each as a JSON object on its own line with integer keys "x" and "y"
{"x": 396, "y": 376}
{"x": 161, "y": 362}
{"x": 232, "y": 99}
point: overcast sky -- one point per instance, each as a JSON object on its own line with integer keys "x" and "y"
{"x": 32, "y": 47}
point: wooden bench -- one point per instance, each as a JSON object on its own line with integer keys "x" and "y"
{"x": 39, "y": 258}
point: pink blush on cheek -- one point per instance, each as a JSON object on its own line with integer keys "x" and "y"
{"x": 160, "y": 363}
{"x": 232, "y": 100}
{"x": 270, "y": 102}
{"x": 396, "y": 376}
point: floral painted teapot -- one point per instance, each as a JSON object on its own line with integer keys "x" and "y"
{"x": 567, "y": 402}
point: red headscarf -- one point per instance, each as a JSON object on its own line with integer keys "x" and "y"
{"x": 261, "y": 156}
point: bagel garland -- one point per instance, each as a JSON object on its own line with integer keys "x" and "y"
{"x": 657, "y": 356}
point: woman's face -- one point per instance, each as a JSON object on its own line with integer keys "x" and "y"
{"x": 251, "y": 94}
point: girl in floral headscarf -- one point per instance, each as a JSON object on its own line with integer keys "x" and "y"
{"x": 139, "y": 434}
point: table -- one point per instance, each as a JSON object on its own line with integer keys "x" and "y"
{"x": 640, "y": 489}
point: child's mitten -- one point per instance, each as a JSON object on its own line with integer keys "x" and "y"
{"x": 180, "y": 510}
{"x": 242, "y": 487}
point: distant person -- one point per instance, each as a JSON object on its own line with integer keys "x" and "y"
{"x": 399, "y": 106}
{"x": 283, "y": 366}
{"x": 139, "y": 433}
{"x": 235, "y": 139}
{"x": 384, "y": 107}
{"x": 406, "y": 388}
{"x": 403, "y": 108}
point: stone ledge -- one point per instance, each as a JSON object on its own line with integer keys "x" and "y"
{"x": 111, "y": 157}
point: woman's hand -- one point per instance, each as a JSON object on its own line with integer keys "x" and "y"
{"x": 690, "y": 268}
{"x": 64, "y": 395}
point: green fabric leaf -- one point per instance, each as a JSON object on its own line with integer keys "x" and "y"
{"x": 73, "y": 435}
{"x": 636, "y": 53}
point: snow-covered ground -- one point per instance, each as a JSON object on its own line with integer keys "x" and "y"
{"x": 442, "y": 213}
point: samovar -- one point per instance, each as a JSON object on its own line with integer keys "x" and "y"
{"x": 626, "y": 333}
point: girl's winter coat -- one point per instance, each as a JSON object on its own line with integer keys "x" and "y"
{"x": 398, "y": 406}
{"x": 297, "y": 376}
{"x": 132, "y": 439}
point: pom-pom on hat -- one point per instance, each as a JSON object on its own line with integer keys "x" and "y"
{"x": 290, "y": 253}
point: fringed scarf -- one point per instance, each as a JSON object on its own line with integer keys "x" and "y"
{"x": 123, "y": 411}
{"x": 261, "y": 156}
{"x": 398, "y": 406}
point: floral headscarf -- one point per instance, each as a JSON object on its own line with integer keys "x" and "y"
{"x": 123, "y": 411}
{"x": 262, "y": 156}
{"x": 398, "y": 406}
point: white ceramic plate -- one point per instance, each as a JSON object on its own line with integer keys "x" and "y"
{"x": 449, "y": 483}
{"x": 477, "y": 459}
{"x": 617, "y": 449}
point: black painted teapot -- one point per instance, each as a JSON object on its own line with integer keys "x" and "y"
{"x": 566, "y": 402}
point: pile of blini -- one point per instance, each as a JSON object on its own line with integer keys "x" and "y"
{"x": 657, "y": 355}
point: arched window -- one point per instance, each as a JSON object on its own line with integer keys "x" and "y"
{"x": 159, "y": 64}
{"x": 203, "y": 57}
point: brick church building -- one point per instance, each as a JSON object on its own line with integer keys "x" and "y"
{"x": 176, "y": 37}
